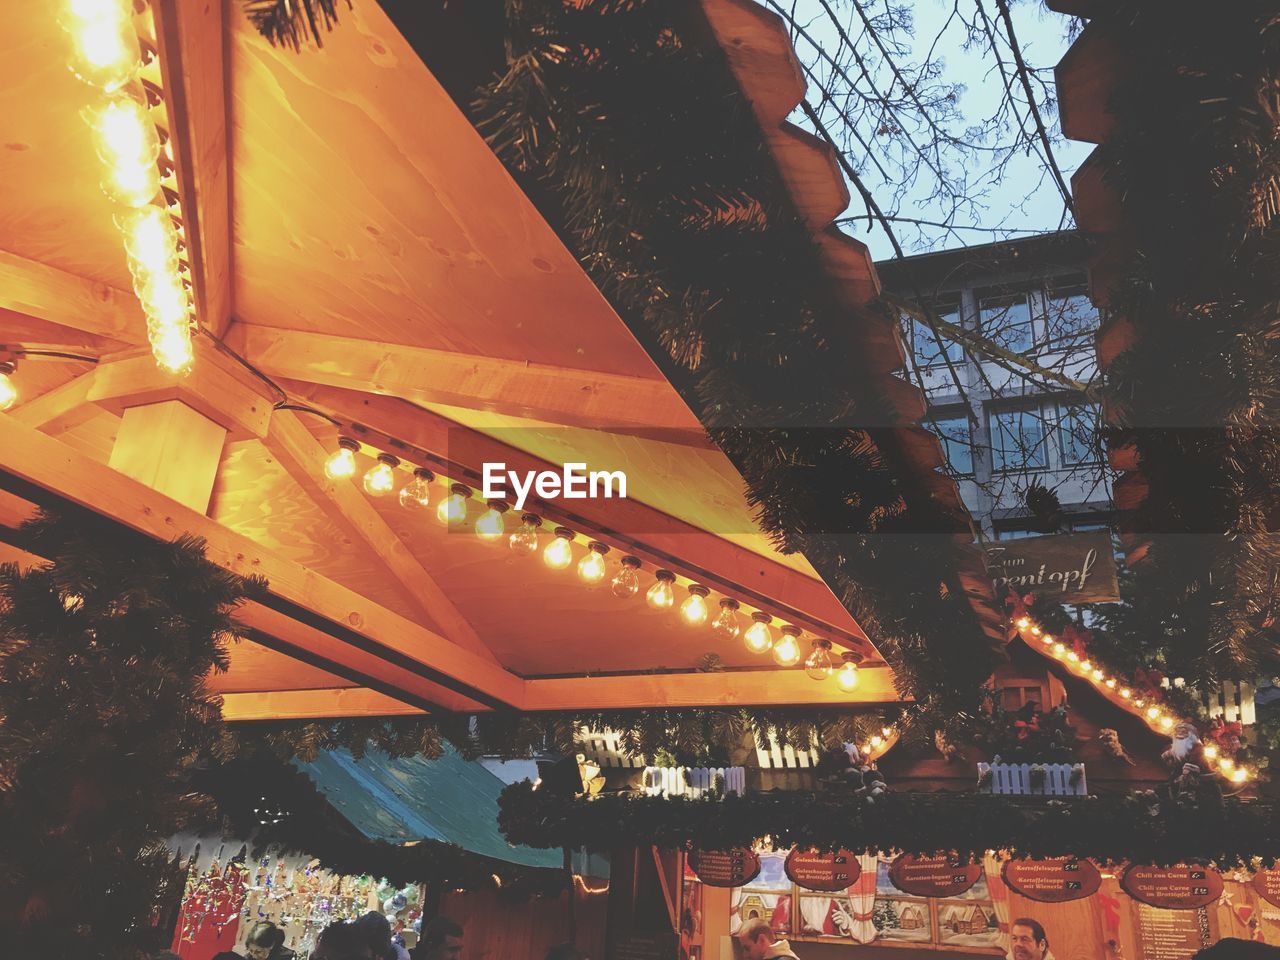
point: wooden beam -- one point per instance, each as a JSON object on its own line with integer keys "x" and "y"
{"x": 558, "y": 395}
{"x": 193, "y": 42}
{"x": 666, "y": 541}
{"x": 172, "y": 449}
{"x": 64, "y": 298}
{"x": 59, "y": 409}
{"x": 368, "y": 631}
{"x": 303, "y": 458}
{"x": 790, "y": 687}
{"x": 312, "y": 705}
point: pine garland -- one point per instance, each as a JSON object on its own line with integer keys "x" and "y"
{"x": 103, "y": 654}
{"x": 1145, "y": 827}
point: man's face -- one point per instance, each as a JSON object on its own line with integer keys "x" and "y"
{"x": 754, "y": 948}
{"x": 450, "y": 949}
{"x": 257, "y": 953}
{"x": 1024, "y": 943}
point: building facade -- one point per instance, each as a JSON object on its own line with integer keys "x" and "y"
{"x": 1004, "y": 429}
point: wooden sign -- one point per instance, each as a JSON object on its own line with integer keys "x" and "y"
{"x": 1070, "y": 568}
{"x": 825, "y": 872}
{"x": 1266, "y": 884}
{"x": 933, "y": 876}
{"x": 725, "y": 868}
{"x": 1183, "y": 887}
{"x": 1052, "y": 881}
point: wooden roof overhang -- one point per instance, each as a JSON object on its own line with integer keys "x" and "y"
{"x": 354, "y": 239}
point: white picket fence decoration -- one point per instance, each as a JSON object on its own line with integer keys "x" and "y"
{"x": 603, "y": 747}
{"x": 671, "y": 781}
{"x": 775, "y": 757}
{"x": 1014, "y": 779}
{"x": 1233, "y": 702}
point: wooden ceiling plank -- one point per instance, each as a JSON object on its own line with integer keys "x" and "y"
{"x": 59, "y": 409}
{"x": 560, "y": 395}
{"x": 193, "y": 39}
{"x": 789, "y": 687}
{"x": 312, "y": 705}
{"x": 702, "y": 556}
{"x": 303, "y": 457}
{"x": 64, "y": 298}
{"x": 53, "y": 466}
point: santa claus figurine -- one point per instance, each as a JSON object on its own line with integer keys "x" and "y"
{"x": 1189, "y": 768}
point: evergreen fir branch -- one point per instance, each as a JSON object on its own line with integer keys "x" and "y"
{"x": 287, "y": 23}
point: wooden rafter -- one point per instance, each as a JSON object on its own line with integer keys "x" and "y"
{"x": 192, "y": 55}
{"x": 64, "y": 298}
{"x": 560, "y": 395}
{"x": 61, "y": 408}
{"x": 312, "y": 705}
{"x": 303, "y": 457}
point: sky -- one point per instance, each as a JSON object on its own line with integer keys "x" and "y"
{"x": 1023, "y": 198}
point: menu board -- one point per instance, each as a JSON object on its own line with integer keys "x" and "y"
{"x": 933, "y": 876}
{"x": 1172, "y": 934}
{"x": 725, "y": 868}
{"x": 1181, "y": 887}
{"x": 1053, "y": 881}
{"x": 826, "y": 872}
{"x": 1266, "y": 884}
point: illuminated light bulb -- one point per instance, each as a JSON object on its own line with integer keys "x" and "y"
{"x": 342, "y": 463}
{"x": 1138, "y": 703}
{"x": 1086, "y": 666}
{"x": 128, "y": 145}
{"x": 1073, "y": 656}
{"x": 866, "y": 748}
{"x": 1059, "y": 649}
{"x": 1153, "y": 712}
{"x": 151, "y": 243}
{"x": 661, "y": 596}
{"x": 1035, "y": 630}
{"x": 105, "y": 50}
{"x": 1126, "y": 692}
{"x": 847, "y": 675}
{"x": 1166, "y": 722}
{"x": 759, "y": 638}
{"x": 453, "y": 508}
{"x": 1226, "y": 763}
{"x": 559, "y": 552}
{"x": 819, "y": 664}
{"x": 1110, "y": 682}
{"x": 786, "y": 652}
{"x": 380, "y": 479}
{"x": 887, "y": 732}
{"x": 1022, "y": 623}
{"x": 591, "y": 568}
{"x": 876, "y": 742}
{"x": 1098, "y": 675}
{"x": 728, "y": 623}
{"x": 416, "y": 494}
{"x": 8, "y": 392}
{"x": 694, "y": 609}
{"x": 1239, "y": 775}
{"x": 173, "y": 350}
{"x": 491, "y": 524}
{"x": 1210, "y": 751}
{"x": 525, "y": 540}
{"x": 626, "y": 582}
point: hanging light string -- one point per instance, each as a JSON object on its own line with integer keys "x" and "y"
{"x": 433, "y": 490}
{"x": 114, "y": 53}
{"x": 1144, "y": 704}
{"x": 9, "y": 364}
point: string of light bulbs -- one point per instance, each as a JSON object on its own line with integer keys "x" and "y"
{"x": 1145, "y": 706}
{"x": 130, "y": 131}
{"x": 732, "y": 621}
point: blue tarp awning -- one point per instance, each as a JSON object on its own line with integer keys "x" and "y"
{"x": 412, "y": 798}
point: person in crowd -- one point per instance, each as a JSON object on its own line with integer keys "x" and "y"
{"x": 343, "y": 940}
{"x": 377, "y": 929}
{"x": 564, "y": 951}
{"x": 441, "y": 940}
{"x": 759, "y": 942}
{"x": 1234, "y": 948}
{"x": 227, "y": 955}
{"x": 1028, "y": 941}
{"x": 266, "y": 942}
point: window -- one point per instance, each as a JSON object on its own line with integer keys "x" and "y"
{"x": 1070, "y": 316}
{"x": 1006, "y": 320}
{"x": 1018, "y": 439}
{"x": 956, "y": 443}
{"x": 1078, "y": 440}
{"x": 1015, "y": 533}
{"x": 932, "y": 349}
